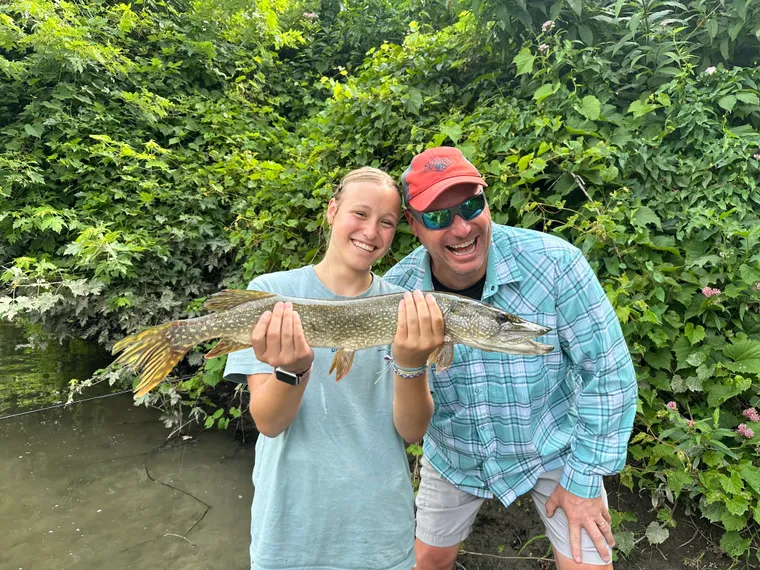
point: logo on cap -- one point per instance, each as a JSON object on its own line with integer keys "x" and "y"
{"x": 437, "y": 165}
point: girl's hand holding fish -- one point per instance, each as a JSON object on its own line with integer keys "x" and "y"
{"x": 419, "y": 330}
{"x": 278, "y": 340}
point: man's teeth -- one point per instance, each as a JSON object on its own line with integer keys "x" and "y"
{"x": 463, "y": 247}
{"x": 363, "y": 246}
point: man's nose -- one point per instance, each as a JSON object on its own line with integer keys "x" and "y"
{"x": 460, "y": 227}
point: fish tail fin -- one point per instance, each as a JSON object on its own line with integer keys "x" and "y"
{"x": 153, "y": 352}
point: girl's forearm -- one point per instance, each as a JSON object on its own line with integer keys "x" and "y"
{"x": 275, "y": 404}
{"x": 412, "y": 407}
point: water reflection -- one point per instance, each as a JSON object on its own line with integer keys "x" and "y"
{"x": 95, "y": 485}
{"x": 35, "y": 378}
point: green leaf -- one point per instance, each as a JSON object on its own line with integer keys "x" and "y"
{"x": 745, "y": 355}
{"x": 733, "y": 544}
{"x": 640, "y": 109}
{"x": 659, "y": 359}
{"x": 748, "y": 97}
{"x": 733, "y": 484}
{"x": 751, "y": 475}
{"x": 35, "y": 130}
{"x": 656, "y": 533}
{"x": 413, "y": 100}
{"x": 589, "y": 107}
{"x": 544, "y": 91}
{"x": 727, "y": 102}
{"x": 733, "y": 522}
{"x": 624, "y": 541}
{"x": 645, "y": 215}
{"x": 721, "y": 392}
{"x": 694, "y": 333}
{"x": 454, "y": 132}
{"x": 524, "y": 62}
{"x": 576, "y": 5}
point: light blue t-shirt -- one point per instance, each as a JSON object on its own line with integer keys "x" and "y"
{"x": 333, "y": 491}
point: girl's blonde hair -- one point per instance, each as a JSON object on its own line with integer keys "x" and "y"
{"x": 365, "y": 174}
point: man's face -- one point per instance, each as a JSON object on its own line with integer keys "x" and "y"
{"x": 459, "y": 252}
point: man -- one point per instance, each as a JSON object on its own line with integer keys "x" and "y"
{"x": 504, "y": 425}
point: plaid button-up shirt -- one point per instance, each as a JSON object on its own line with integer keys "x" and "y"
{"x": 501, "y": 420}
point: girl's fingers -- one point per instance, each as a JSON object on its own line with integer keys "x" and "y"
{"x": 401, "y": 328}
{"x": 302, "y": 348}
{"x": 274, "y": 331}
{"x": 423, "y": 313}
{"x": 286, "y": 335}
{"x": 412, "y": 318}
{"x": 259, "y": 334}
{"x": 436, "y": 317}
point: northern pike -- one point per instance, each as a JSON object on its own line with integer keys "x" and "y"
{"x": 349, "y": 326}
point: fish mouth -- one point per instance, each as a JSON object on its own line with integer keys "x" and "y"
{"x": 464, "y": 248}
{"x": 369, "y": 248}
{"x": 516, "y": 332}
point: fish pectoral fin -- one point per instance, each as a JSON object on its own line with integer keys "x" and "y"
{"x": 442, "y": 356}
{"x": 342, "y": 362}
{"x": 225, "y": 346}
{"x": 229, "y": 298}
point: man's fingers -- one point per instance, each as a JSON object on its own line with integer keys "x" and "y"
{"x": 606, "y": 529}
{"x": 259, "y": 333}
{"x": 551, "y": 506}
{"x": 597, "y": 537}
{"x": 575, "y": 543}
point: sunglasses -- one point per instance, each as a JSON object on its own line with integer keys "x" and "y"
{"x": 442, "y": 219}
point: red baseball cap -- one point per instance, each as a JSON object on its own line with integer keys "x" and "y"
{"x": 432, "y": 172}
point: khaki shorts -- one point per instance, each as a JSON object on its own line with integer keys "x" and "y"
{"x": 445, "y": 514}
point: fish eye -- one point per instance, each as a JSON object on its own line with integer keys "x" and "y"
{"x": 501, "y": 318}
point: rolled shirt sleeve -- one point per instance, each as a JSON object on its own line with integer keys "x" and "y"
{"x": 590, "y": 334}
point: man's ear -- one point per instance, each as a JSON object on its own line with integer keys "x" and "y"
{"x": 332, "y": 209}
{"x": 412, "y": 222}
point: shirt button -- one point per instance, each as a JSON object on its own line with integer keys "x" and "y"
{"x": 477, "y": 390}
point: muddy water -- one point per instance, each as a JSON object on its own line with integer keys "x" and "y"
{"x": 95, "y": 485}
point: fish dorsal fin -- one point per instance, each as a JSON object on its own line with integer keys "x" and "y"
{"x": 229, "y": 298}
{"x": 225, "y": 346}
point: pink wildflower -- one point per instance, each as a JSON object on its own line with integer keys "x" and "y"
{"x": 710, "y": 70}
{"x": 756, "y": 156}
{"x": 310, "y": 16}
{"x": 710, "y": 292}
{"x": 547, "y": 26}
{"x": 757, "y": 285}
{"x": 690, "y": 423}
{"x": 672, "y": 406}
{"x": 751, "y": 414}
{"x": 744, "y": 431}
{"x": 543, "y": 48}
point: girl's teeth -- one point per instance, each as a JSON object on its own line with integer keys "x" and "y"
{"x": 363, "y": 246}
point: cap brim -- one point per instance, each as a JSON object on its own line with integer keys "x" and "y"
{"x": 422, "y": 201}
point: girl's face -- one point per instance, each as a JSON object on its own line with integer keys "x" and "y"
{"x": 363, "y": 222}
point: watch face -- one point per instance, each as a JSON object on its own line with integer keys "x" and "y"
{"x": 287, "y": 377}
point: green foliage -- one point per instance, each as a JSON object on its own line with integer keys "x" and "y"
{"x": 153, "y": 152}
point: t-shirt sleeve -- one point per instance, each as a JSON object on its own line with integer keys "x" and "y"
{"x": 244, "y": 362}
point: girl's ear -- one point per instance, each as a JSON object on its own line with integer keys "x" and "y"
{"x": 332, "y": 209}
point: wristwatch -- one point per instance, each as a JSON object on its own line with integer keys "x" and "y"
{"x": 291, "y": 377}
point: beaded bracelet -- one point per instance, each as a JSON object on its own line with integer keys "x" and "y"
{"x": 402, "y": 372}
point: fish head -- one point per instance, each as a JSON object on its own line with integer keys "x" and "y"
{"x": 489, "y": 328}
